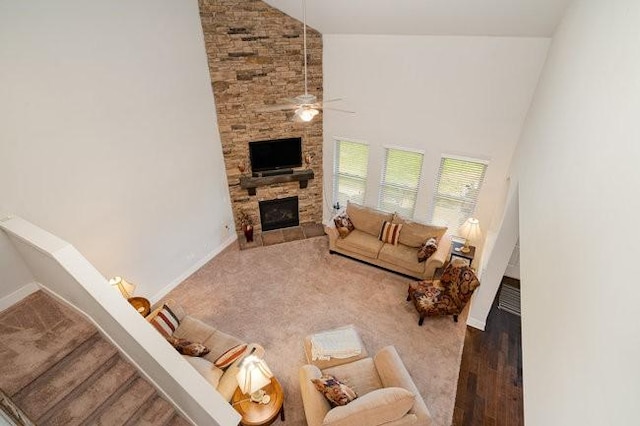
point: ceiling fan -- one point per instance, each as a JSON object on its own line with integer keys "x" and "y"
{"x": 305, "y": 106}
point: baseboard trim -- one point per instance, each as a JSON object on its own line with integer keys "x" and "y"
{"x": 480, "y": 325}
{"x": 199, "y": 264}
{"x": 18, "y": 295}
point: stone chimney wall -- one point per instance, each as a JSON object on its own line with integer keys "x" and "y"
{"x": 255, "y": 55}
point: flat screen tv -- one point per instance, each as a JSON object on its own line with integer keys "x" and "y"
{"x": 275, "y": 154}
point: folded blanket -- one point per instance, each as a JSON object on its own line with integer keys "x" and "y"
{"x": 341, "y": 343}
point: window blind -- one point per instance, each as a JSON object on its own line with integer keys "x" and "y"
{"x": 350, "y": 171}
{"x": 457, "y": 188}
{"x": 400, "y": 181}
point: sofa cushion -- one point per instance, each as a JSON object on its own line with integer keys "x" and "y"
{"x": 361, "y": 376}
{"x": 366, "y": 219}
{"x": 427, "y": 249}
{"x": 401, "y": 255}
{"x": 414, "y": 234}
{"x": 375, "y": 408}
{"x": 206, "y": 369}
{"x": 361, "y": 243}
{"x": 390, "y": 232}
{"x": 336, "y": 392}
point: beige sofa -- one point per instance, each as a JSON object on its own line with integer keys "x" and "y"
{"x": 386, "y": 394}
{"x": 363, "y": 243}
{"x": 218, "y": 342}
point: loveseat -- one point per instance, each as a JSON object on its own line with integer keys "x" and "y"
{"x": 218, "y": 342}
{"x": 386, "y": 394}
{"x": 363, "y": 242}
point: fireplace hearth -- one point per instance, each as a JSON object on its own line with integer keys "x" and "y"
{"x": 279, "y": 213}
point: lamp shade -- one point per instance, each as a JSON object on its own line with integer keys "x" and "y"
{"x": 126, "y": 288}
{"x": 253, "y": 374}
{"x": 470, "y": 229}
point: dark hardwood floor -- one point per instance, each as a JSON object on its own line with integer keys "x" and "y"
{"x": 490, "y": 381}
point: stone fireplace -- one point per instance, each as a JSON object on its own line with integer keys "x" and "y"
{"x": 255, "y": 55}
{"x": 279, "y": 213}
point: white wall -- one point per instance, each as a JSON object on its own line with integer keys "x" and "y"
{"x": 579, "y": 179}
{"x": 444, "y": 95}
{"x": 109, "y": 135}
{"x": 16, "y": 280}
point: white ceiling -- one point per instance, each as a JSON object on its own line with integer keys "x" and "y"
{"x": 526, "y": 18}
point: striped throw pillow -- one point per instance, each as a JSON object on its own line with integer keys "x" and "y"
{"x": 229, "y": 357}
{"x": 166, "y": 322}
{"x": 390, "y": 232}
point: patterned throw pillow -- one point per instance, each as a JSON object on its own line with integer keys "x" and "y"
{"x": 336, "y": 392}
{"x": 343, "y": 224}
{"x": 230, "y": 356}
{"x": 186, "y": 347}
{"x": 166, "y": 322}
{"x": 390, "y": 233}
{"x": 427, "y": 249}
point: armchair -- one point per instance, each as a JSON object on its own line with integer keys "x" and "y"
{"x": 386, "y": 394}
{"x": 446, "y": 296}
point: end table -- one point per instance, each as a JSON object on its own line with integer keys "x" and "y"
{"x": 456, "y": 252}
{"x": 142, "y": 305}
{"x": 257, "y": 414}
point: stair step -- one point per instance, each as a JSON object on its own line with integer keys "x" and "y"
{"x": 50, "y": 388}
{"x": 83, "y": 403}
{"x": 178, "y": 420}
{"x": 158, "y": 413}
{"x": 37, "y": 333}
{"x": 127, "y": 405}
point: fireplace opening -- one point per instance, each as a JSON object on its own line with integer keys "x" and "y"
{"x": 280, "y": 213}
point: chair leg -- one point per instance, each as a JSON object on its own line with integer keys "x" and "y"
{"x": 421, "y": 320}
{"x": 455, "y": 318}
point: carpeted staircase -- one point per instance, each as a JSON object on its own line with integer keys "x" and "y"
{"x": 57, "y": 368}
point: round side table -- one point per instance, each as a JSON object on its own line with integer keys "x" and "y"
{"x": 142, "y": 305}
{"x": 256, "y": 414}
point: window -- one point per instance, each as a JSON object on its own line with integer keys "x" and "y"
{"x": 350, "y": 171}
{"x": 457, "y": 188}
{"x": 400, "y": 181}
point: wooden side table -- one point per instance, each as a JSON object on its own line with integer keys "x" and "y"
{"x": 456, "y": 252}
{"x": 257, "y": 414}
{"x": 142, "y": 305}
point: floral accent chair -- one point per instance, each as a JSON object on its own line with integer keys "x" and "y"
{"x": 446, "y": 296}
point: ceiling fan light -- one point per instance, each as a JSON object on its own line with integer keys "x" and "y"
{"x": 306, "y": 114}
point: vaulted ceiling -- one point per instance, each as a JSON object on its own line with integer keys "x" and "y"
{"x": 519, "y": 18}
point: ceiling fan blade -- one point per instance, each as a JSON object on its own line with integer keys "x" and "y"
{"x": 332, "y": 100}
{"x": 293, "y": 101}
{"x": 339, "y": 110}
{"x": 272, "y": 108}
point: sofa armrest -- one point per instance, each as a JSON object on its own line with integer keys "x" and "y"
{"x": 315, "y": 404}
{"x": 332, "y": 232}
{"x": 393, "y": 373}
{"x": 439, "y": 258}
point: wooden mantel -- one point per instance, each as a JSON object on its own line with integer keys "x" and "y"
{"x": 250, "y": 183}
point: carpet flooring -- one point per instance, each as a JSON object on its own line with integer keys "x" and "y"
{"x": 276, "y": 295}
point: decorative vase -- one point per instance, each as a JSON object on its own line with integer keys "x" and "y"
{"x": 248, "y": 233}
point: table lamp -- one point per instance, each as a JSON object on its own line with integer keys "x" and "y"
{"x": 470, "y": 230}
{"x": 126, "y": 288}
{"x": 253, "y": 375}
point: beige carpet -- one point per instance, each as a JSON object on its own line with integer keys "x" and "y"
{"x": 278, "y": 294}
